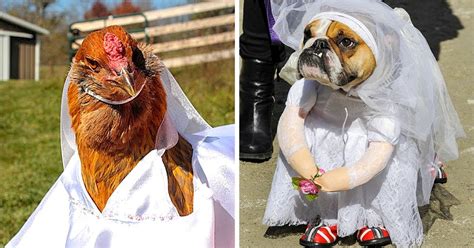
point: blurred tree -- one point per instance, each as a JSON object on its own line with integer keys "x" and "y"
{"x": 126, "y": 7}
{"x": 41, "y": 6}
{"x": 144, "y": 5}
{"x": 97, "y": 10}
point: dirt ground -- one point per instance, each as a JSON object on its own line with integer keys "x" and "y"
{"x": 449, "y": 219}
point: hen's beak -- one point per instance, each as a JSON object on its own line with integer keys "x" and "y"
{"x": 127, "y": 82}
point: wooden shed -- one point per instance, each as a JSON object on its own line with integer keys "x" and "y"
{"x": 19, "y": 48}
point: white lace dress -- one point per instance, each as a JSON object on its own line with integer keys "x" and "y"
{"x": 336, "y": 138}
{"x": 140, "y": 213}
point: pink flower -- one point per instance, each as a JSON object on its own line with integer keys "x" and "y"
{"x": 308, "y": 188}
{"x": 321, "y": 171}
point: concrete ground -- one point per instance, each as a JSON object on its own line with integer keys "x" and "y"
{"x": 449, "y": 219}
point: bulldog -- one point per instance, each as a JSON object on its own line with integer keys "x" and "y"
{"x": 358, "y": 92}
{"x": 337, "y": 54}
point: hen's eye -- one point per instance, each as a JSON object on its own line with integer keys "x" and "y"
{"x": 348, "y": 43}
{"x": 138, "y": 58}
{"x": 94, "y": 65}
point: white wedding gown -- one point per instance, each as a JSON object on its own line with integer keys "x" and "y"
{"x": 338, "y": 129}
{"x": 140, "y": 213}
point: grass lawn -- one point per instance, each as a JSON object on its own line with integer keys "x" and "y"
{"x": 30, "y": 157}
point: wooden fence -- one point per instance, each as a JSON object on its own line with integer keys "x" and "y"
{"x": 183, "y": 35}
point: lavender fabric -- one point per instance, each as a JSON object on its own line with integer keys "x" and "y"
{"x": 271, "y": 21}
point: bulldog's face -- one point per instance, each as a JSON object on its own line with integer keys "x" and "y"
{"x": 334, "y": 55}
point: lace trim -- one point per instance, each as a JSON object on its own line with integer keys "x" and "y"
{"x": 113, "y": 216}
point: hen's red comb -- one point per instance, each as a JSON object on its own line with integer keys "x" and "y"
{"x": 115, "y": 51}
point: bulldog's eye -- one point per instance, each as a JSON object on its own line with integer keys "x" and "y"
{"x": 346, "y": 42}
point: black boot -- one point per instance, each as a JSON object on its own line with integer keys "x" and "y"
{"x": 256, "y": 106}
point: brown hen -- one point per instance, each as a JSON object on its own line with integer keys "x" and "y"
{"x": 112, "y": 138}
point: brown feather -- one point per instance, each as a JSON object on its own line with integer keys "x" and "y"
{"x": 112, "y": 139}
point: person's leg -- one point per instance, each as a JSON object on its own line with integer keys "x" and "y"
{"x": 259, "y": 59}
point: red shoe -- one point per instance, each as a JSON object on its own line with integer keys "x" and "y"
{"x": 319, "y": 236}
{"x": 441, "y": 176}
{"x": 373, "y": 236}
{"x": 438, "y": 171}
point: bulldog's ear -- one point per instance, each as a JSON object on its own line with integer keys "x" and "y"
{"x": 307, "y": 36}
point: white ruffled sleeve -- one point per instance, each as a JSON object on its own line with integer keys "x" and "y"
{"x": 383, "y": 129}
{"x": 303, "y": 95}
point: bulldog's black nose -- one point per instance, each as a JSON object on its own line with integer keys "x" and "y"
{"x": 321, "y": 44}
